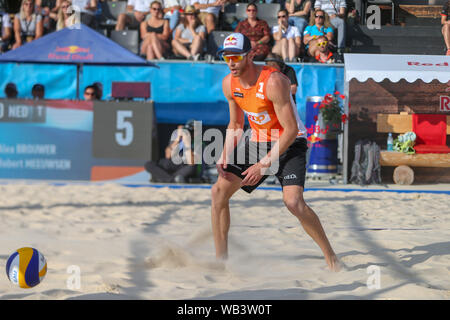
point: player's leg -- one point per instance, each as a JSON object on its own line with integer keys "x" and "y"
{"x": 221, "y": 193}
{"x": 293, "y": 199}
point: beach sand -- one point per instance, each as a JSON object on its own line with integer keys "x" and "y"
{"x": 156, "y": 243}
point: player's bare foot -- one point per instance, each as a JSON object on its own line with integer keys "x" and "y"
{"x": 334, "y": 264}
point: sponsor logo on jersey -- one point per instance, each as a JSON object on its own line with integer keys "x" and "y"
{"x": 259, "y": 118}
{"x": 238, "y": 94}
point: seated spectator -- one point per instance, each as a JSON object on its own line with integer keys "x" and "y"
{"x": 298, "y": 13}
{"x": 336, "y": 11}
{"x": 137, "y": 10}
{"x": 323, "y": 53}
{"x": 171, "y": 11}
{"x": 98, "y": 90}
{"x": 38, "y": 91}
{"x": 155, "y": 33}
{"x": 257, "y": 31}
{"x": 90, "y": 93}
{"x": 28, "y": 25}
{"x": 275, "y": 61}
{"x": 11, "y": 91}
{"x": 5, "y": 31}
{"x": 87, "y": 9}
{"x": 166, "y": 170}
{"x": 287, "y": 38}
{"x": 48, "y": 9}
{"x": 319, "y": 26}
{"x": 446, "y": 25}
{"x": 66, "y": 15}
{"x": 209, "y": 12}
{"x": 189, "y": 36}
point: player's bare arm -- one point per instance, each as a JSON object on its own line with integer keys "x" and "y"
{"x": 234, "y": 128}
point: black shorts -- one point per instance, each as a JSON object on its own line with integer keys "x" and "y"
{"x": 292, "y": 163}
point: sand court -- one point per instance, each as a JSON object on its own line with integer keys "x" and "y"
{"x": 114, "y": 242}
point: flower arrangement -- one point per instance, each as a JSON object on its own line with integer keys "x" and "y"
{"x": 331, "y": 109}
{"x": 405, "y": 143}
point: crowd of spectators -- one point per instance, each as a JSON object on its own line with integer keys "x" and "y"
{"x": 180, "y": 28}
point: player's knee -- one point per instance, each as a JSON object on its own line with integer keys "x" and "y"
{"x": 295, "y": 205}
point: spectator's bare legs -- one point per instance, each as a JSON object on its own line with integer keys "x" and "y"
{"x": 122, "y": 21}
{"x": 281, "y": 48}
{"x": 221, "y": 193}
{"x": 155, "y": 43}
{"x": 179, "y": 48}
{"x": 293, "y": 199}
{"x": 292, "y": 49}
{"x": 313, "y": 49}
{"x": 446, "y": 34}
{"x": 196, "y": 46}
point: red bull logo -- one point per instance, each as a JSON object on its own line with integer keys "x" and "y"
{"x": 71, "y": 53}
{"x": 231, "y": 41}
{"x": 72, "y": 49}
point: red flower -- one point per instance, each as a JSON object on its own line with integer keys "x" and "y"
{"x": 342, "y": 96}
{"x": 344, "y": 118}
{"x": 337, "y": 93}
{"x": 315, "y": 105}
{"x": 315, "y": 118}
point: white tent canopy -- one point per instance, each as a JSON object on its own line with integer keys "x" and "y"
{"x": 396, "y": 67}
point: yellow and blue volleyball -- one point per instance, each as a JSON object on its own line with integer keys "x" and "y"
{"x": 26, "y": 267}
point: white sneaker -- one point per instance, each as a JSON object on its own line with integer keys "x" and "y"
{"x": 196, "y": 57}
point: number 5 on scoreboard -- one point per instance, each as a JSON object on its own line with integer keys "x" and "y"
{"x": 124, "y": 136}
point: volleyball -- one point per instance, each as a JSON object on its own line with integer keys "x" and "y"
{"x": 26, "y": 267}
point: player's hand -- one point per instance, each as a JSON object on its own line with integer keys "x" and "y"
{"x": 252, "y": 175}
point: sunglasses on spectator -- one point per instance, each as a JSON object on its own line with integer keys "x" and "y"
{"x": 323, "y": 43}
{"x": 320, "y": 17}
{"x": 235, "y": 57}
{"x": 284, "y": 16}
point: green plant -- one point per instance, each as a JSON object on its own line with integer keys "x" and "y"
{"x": 331, "y": 108}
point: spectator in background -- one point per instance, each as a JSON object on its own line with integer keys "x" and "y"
{"x": 11, "y": 91}
{"x": 137, "y": 10}
{"x": 171, "y": 11}
{"x": 298, "y": 13}
{"x": 275, "y": 61}
{"x": 323, "y": 53}
{"x": 287, "y": 38}
{"x": 5, "y": 31}
{"x": 336, "y": 11}
{"x": 87, "y": 9}
{"x": 90, "y": 93}
{"x": 446, "y": 25}
{"x": 28, "y": 25}
{"x": 98, "y": 90}
{"x": 189, "y": 35}
{"x": 48, "y": 9}
{"x": 166, "y": 170}
{"x": 38, "y": 91}
{"x": 155, "y": 33}
{"x": 209, "y": 12}
{"x": 66, "y": 16}
{"x": 257, "y": 31}
{"x": 319, "y": 26}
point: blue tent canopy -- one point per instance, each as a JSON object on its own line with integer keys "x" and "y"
{"x": 77, "y": 44}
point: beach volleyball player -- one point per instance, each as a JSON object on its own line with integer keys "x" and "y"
{"x": 263, "y": 94}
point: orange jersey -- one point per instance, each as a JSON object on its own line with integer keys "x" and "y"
{"x": 259, "y": 109}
